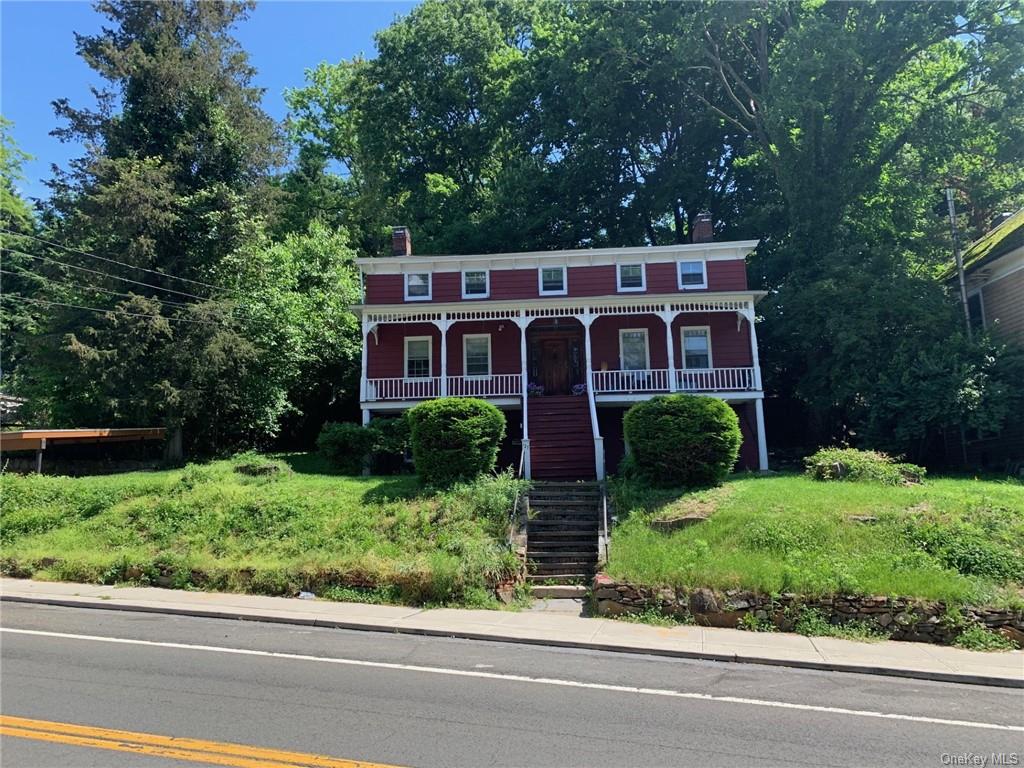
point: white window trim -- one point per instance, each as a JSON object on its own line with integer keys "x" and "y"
{"x": 430, "y": 358}
{"x": 565, "y": 281}
{"x": 682, "y": 345}
{"x": 430, "y": 286}
{"x": 647, "y": 348}
{"x": 704, "y": 274}
{"x": 487, "y": 285}
{"x": 643, "y": 278}
{"x": 465, "y": 349}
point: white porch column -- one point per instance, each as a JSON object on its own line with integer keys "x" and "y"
{"x": 749, "y": 314}
{"x": 522, "y": 321}
{"x": 667, "y": 317}
{"x": 762, "y": 445}
{"x": 362, "y": 375}
{"x": 443, "y": 326}
{"x": 587, "y": 319}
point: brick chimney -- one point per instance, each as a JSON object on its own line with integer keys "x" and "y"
{"x": 401, "y": 241}
{"x": 703, "y": 230}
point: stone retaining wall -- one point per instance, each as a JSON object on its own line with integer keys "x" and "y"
{"x": 902, "y": 619}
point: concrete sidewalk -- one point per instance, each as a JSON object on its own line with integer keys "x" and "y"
{"x": 915, "y": 660}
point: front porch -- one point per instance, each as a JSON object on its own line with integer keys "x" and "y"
{"x": 616, "y": 352}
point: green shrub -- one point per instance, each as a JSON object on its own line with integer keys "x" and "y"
{"x": 965, "y": 548}
{"x": 454, "y": 439}
{"x": 390, "y": 442}
{"x": 346, "y": 445}
{"x": 978, "y": 638}
{"x": 682, "y": 440}
{"x": 852, "y": 464}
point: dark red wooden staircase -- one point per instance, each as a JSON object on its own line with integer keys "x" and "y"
{"x": 561, "y": 438}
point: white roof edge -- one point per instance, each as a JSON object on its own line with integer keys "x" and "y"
{"x": 727, "y": 245}
{"x": 426, "y": 307}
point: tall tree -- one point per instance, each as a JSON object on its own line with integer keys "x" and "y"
{"x": 172, "y": 194}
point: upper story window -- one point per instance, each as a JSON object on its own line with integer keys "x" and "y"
{"x": 696, "y": 347}
{"x": 634, "y": 353}
{"x": 476, "y": 354}
{"x": 632, "y": 277}
{"x": 476, "y": 284}
{"x": 418, "y": 353}
{"x": 552, "y": 281}
{"x": 692, "y": 274}
{"x": 417, "y": 286}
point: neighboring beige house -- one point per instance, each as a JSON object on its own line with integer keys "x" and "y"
{"x": 994, "y": 270}
{"x": 994, "y": 273}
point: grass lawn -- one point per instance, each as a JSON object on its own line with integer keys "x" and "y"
{"x": 211, "y": 527}
{"x": 951, "y": 539}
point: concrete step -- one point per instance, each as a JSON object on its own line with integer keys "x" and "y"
{"x": 559, "y": 591}
{"x": 573, "y": 545}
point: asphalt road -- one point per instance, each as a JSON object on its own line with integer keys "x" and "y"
{"x": 414, "y": 701}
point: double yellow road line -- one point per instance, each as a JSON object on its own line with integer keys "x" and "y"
{"x": 153, "y": 745}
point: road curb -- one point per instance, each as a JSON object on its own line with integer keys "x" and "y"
{"x": 214, "y": 613}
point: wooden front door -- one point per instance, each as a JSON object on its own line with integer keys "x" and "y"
{"x": 555, "y": 366}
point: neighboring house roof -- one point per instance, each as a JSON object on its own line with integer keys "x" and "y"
{"x": 1006, "y": 237}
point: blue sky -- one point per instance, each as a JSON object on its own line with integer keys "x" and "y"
{"x": 283, "y": 39}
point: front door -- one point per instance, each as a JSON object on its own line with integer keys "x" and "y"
{"x": 555, "y": 366}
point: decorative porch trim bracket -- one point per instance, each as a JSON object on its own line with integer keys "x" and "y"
{"x": 668, "y": 317}
{"x": 587, "y": 319}
{"x": 443, "y": 323}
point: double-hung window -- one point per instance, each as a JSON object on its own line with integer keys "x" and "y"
{"x": 632, "y": 277}
{"x": 692, "y": 274}
{"x": 476, "y": 354}
{"x": 634, "y": 353}
{"x": 417, "y": 286}
{"x": 696, "y": 348}
{"x": 418, "y": 354}
{"x": 552, "y": 281}
{"x": 475, "y": 284}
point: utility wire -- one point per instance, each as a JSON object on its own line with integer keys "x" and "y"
{"x": 105, "y": 274}
{"x": 48, "y": 281}
{"x": 113, "y": 311}
{"x": 119, "y": 263}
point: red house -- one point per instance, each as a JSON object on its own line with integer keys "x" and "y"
{"x": 564, "y": 341}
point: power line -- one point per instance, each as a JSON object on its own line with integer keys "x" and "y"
{"x": 115, "y": 261}
{"x": 105, "y": 274}
{"x": 113, "y": 311}
{"x": 92, "y": 288}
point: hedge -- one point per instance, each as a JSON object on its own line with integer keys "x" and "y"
{"x": 682, "y": 440}
{"x": 455, "y": 439}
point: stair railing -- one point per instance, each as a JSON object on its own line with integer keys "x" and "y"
{"x": 514, "y": 513}
{"x": 605, "y": 543}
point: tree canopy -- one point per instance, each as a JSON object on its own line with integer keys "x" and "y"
{"x": 823, "y": 129}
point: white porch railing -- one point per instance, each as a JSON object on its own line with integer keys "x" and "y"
{"x": 495, "y": 385}
{"x": 716, "y": 380}
{"x": 656, "y": 380}
{"x": 403, "y": 389}
{"x": 651, "y": 380}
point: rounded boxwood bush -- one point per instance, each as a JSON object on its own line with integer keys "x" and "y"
{"x": 454, "y": 439}
{"x": 682, "y": 440}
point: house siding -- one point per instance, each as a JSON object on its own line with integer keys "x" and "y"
{"x": 1003, "y": 302}
{"x": 385, "y": 358}
{"x": 505, "y": 351}
{"x": 515, "y": 284}
{"x": 730, "y": 348}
